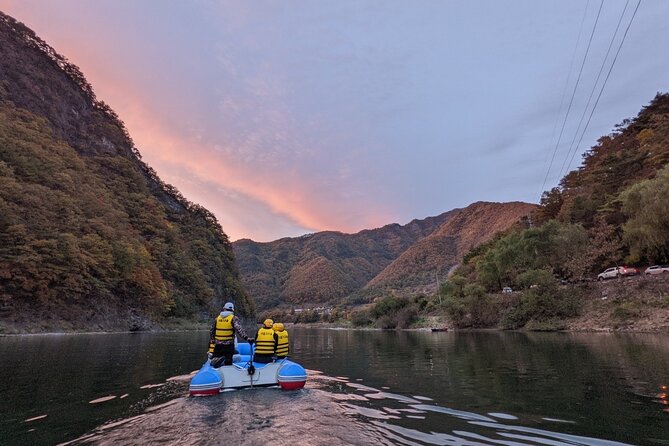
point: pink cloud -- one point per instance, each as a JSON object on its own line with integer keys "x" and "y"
{"x": 283, "y": 195}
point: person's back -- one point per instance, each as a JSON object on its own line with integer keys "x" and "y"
{"x": 222, "y": 336}
{"x": 282, "y": 340}
{"x": 266, "y": 341}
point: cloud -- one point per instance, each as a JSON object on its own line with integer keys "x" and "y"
{"x": 284, "y": 119}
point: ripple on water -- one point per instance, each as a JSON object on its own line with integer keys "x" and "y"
{"x": 325, "y": 412}
{"x": 503, "y": 416}
{"x": 40, "y": 417}
{"x": 102, "y": 400}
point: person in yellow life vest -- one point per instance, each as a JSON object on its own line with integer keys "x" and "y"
{"x": 266, "y": 340}
{"x": 282, "y": 340}
{"x": 222, "y": 336}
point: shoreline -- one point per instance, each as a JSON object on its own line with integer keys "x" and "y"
{"x": 334, "y": 326}
{"x": 629, "y": 305}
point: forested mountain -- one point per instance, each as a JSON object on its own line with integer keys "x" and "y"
{"x": 324, "y": 266}
{"x": 436, "y": 254}
{"x": 327, "y": 267}
{"x": 90, "y": 237}
{"x": 612, "y": 210}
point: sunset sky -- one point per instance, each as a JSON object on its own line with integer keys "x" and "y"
{"x": 291, "y": 117}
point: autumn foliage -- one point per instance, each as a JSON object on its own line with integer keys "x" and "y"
{"x": 86, "y": 227}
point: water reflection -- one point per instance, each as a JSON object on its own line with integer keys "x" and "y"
{"x": 480, "y": 388}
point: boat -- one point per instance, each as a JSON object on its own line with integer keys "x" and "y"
{"x": 244, "y": 372}
{"x": 440, "y": 329}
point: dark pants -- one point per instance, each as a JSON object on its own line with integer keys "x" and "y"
{"x": 263, "y": 359}
{"x": 222, "y": 355}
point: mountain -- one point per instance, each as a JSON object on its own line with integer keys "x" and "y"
{"x": 446, "y": 246}
{"x": 90, "y": 237}
{"x": 327, "y": 267}
{"x": 324, "y": 266}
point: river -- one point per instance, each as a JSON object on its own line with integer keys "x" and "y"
{"x": 364, "y": 387}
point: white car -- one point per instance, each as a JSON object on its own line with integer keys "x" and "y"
{"x": 507, "y": 290}
{"x": 657, "y": 269}
{"x": 608, "y": 273}
{"x": 617, "y": 271}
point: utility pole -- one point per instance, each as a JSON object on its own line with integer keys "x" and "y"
{"x": 436, "y": 273}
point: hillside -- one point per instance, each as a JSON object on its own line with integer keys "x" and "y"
{"x": 446, "y": 246}
{"x": 91, "y": 238}
{"x": 324, "y": 266}
{"x": 612, "y": 210}
{"x": 328, "y": 266}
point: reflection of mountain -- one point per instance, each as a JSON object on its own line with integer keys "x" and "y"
{"x": 89, "y": 235}
{"x": 328, "y": 266}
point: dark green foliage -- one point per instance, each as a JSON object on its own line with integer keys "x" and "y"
{"x": 542, "y": 304}
{"x": 360, "y": 318}
{"x": 395, "y": 312}
{"x": 468, "y": 305}
{"x": 388, "y": 305}
{"x": 647, "y": 231}
{"x": 560, "y": 248}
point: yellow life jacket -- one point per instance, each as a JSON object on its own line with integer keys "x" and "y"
{"x": 282, "y": 345}
{"x": 224, "y": 329}
{"x": 265, "y": 341}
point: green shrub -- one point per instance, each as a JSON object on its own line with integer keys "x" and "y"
{"x": 626, "y": 310}
{"x": 540, "y": 305}
{"x": 548, "y": 325}
{"x": 360, "y": 318}
{"x": 538, "y": 277}
{"x": 388, "y": 305}
{"x": 456, "y": 310}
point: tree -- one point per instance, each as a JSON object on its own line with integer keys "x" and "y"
{"x": 647, "y": 230}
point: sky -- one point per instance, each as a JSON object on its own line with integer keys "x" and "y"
{"x": 285, "y": 118}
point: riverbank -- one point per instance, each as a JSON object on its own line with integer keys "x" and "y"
{"x": 632, "y": 304}
{"x": 24, "y": 325}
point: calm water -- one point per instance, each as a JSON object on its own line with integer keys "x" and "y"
{"x": 365, "y": 387}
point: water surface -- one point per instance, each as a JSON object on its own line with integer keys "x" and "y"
{"x": 474, "y": 388}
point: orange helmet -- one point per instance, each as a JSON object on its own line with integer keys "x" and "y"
{"x": 278, "y": 326}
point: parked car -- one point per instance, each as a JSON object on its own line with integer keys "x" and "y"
{"x": 507, "y": 290}
{"x": 657, "y": 269}
{"x": 629, "y": 271}
{"x": 617, "y": 271}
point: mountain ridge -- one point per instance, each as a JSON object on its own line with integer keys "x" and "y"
{"x": 330, "y": 267}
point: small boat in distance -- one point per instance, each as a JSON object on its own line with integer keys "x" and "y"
{"x": 244, "y": 373}
{"x": 440, "y": 329}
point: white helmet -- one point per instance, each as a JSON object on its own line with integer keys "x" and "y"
{"x": 229, "y": 306}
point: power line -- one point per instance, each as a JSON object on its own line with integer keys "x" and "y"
{"x": 571, "y": 101}
{"x": 592, "y": 92}
{"x": 604, "y": 84}
{"x": 566, "y": 84}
